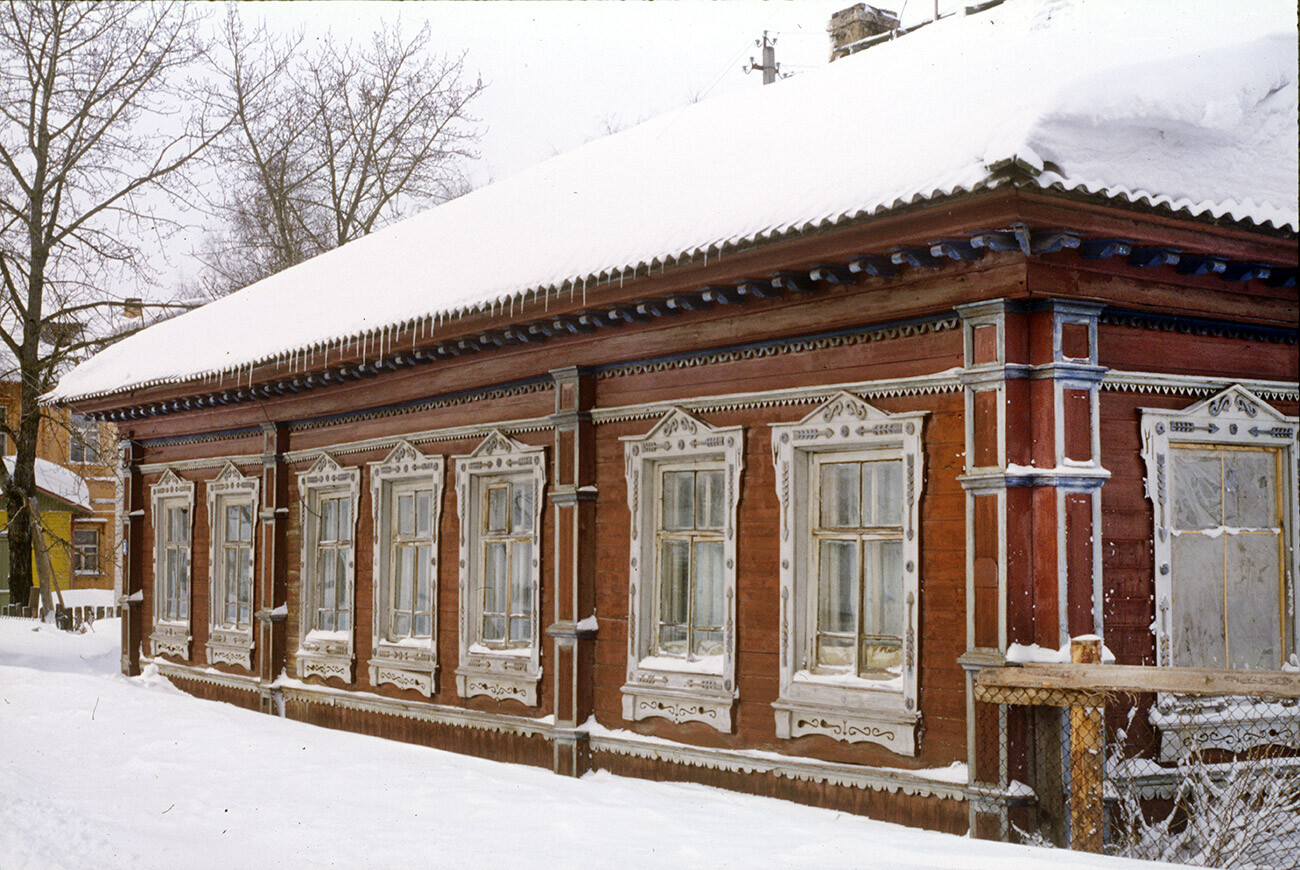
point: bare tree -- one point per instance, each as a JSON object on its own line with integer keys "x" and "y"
{"x": 331, "y": 144}
{"x": 95, "y": 114}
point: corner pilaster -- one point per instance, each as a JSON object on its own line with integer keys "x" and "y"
{"x": 573, "y": 509}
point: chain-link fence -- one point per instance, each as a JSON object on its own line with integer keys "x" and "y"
{"x": 1202, "y": 769}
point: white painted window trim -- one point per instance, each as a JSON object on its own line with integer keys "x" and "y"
{"x": 506, "y": 674}
{"x": 170, "y": 637}
{"x": 844, "y": 709}
{"x": 679, "y": 694}
{"x": 1235, "y": 416}
{"x": 410, "y": 664}
{"x": 228, "y": 644}
{"x": 318, "y": 653}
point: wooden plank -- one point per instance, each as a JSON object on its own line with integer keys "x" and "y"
{"x": 1136, "y": 678}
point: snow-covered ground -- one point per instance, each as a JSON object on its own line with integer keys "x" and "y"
{"x": 100, "y": 770}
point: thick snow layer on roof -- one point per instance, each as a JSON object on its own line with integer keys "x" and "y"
{"x": 1189, "y": 104}
{"x": 62, "y": 483}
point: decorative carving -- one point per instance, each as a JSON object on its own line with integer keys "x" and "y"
{"x": 680, "y": 438}
{"x": 506, "y": 673}
{"x": 844, "y": 422}
{"x": 230, "y": 644}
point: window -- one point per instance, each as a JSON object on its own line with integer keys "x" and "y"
{"x": 406, "y": 498}
{"x": 849, "y": 481}
{"x": 1221, "y": 476}
{"x": 333, "y": 551}
{"x": 499, "y": 498}
{"x": 328, "y": 495}
{"x": 858, "y": 549}
{"x": 232, "y": 514}
{"x": 85, "y": 551}
{"x": 173, "y": 516}
{"x": 689, "y": 570}
{"x": 83, "y": 446}
{"x": 683, "y": 481}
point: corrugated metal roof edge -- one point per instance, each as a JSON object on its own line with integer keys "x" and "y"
{"x": 1143, "y": 202}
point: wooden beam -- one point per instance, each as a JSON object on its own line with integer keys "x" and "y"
{"x": 1136, "y": 678}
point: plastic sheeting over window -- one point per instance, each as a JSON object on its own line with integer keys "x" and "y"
{"x": 1226, "y": 558}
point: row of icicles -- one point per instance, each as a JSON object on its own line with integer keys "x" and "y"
{"x": 375, "y": 343}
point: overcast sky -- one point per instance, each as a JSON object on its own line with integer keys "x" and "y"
{"x": 561, "y": 73}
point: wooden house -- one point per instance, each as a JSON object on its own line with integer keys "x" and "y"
{"x": 729, "y": 448}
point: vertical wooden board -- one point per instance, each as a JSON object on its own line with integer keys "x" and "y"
{"x": 984, "y": 429}
{"x": 1046, "y": 577}
{"x": 1078, "y": 562}
{"x": 1077, "y": 424}
{"x": 986, "y": 570}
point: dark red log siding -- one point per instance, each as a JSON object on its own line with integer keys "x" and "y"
{"x": 498, "y": 746}
{"x": 938, "y": 814}
{"x": 943, "y": 607}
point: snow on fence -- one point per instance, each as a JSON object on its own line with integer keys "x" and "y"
{"x": 67, "y": 618}
{"x": 1186, "y": 765}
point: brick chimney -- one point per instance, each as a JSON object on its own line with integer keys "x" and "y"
{"x": 850, "y": 27}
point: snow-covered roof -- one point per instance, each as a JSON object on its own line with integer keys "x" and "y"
{"x": 1189, "y": 105}
{"x": 61, "y": 483}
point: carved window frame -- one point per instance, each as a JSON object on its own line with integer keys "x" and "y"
{"x": 229, "y": 644}
{"x": 171, "y": 636}
{"x": 409, "y": 664}
{"x": 501, "y": 674}
{"x": 680, "y": 694}
{"x": 849, "y": 709}
{"x": 1233, "y": 417}
{"x": 318, "y": 653}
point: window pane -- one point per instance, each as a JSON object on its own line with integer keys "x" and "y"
{"x": 246, "y": 523}
{"x": 521, "y": 587}
{"x": 494, "y": 577}
{"x": 889, "y": 493}
{"x": 1198, "y": 590}
{"x": 494, "y": 628}
{"x": 675, "y": 558}
{"x": 329, "y": 519}
{"x": 406, "y": 515}
{"x": 1250, "y": 489}
{"x": 423, "y": 625}
{"x": 710, "y": 499}
{"x": 423, "y": 511}
{"x": 837, "y": 587}
{"x": 521, "y": 630}
{"x": 232, "y": 522}
{"x": 672, "y": 640}
{"x": 885, "y": 586}
{"x": 423, "y": 578}
{"x": 522, "y": 507}
{"x": 1255, "y": 617}
{"x": 498, "y": 508}
{"x": 345, "y": 619}
{"x": 326, "y": 620}
{"x": 706, "y": 643}
{"x": 402, "y": 624}
{"x": 405, "y": 580}
{"x": 678, "y": 500}
{"x": 839, "y": 495}
{"x": 328, "y": 580}
{"x": 835, "y": 652}
{"x": 181, "y": 527}
{"x": 1198, "y": 491}
{"x": 708, "y": 584}
{"x": 345, "y": 519}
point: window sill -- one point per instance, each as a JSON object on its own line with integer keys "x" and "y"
{"x": 695, "y": 701}
{"x": 404, "y": 664}
{"x": 324, "y": 658}
{"x": 171, "y": 638}
{"x": 231, "y": 646}
{"x": 504, "y": 675}
{"x": 888, "y": 725}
